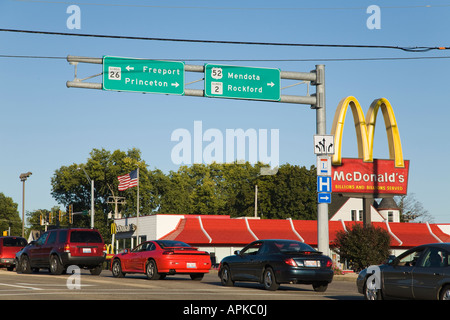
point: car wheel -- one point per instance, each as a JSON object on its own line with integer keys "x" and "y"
{"x": 269, "y": 281}
{"x": 17, "y": 264}
{"x": 445, "y": 293}
{"x": 56, "y": 267}
{"x": 117, "y": 269}
{"x": 96, "y": 270}
{"x": 320, "y": 286}
{"x": 25, "y": 266}
{"x": 225, "y": 277}
{"x": 197, "y": 276}
{"x": 151, "y": 270}
{"x": 371, "y": 292}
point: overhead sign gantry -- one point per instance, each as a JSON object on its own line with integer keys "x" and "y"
{"x": 220, "y": 81}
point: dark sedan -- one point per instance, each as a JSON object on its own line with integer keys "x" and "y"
{"x": 272, "y": 262}
{"x": 421, "y": 273}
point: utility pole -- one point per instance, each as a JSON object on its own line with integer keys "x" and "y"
{"x": 23, "y": 177}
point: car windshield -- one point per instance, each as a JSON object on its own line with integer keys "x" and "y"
{"x": 85, "y": 236}
{"x": 172, "y": 243}
{"x": 286, "y": 246}
{"x": 14, "y": 242}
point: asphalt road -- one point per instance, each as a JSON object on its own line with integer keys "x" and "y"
{"x": 83, "y": 286}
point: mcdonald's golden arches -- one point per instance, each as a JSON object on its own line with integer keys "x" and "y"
{"x": 366, "y": 174}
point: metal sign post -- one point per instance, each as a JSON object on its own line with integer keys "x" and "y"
{"x": 233, "y": 82}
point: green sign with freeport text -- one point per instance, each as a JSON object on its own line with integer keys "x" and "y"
{"x": 139, "y": 75}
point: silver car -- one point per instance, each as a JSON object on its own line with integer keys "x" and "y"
{"x": 421, "y": 273}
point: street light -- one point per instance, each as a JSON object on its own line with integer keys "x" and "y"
{"x": 23, "y": 177}
{"x": 92, "y": 196}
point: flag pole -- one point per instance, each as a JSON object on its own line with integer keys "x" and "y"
{"x": 137, "y": 210}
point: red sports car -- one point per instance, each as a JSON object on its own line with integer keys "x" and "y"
{"x": 159, "y": 258}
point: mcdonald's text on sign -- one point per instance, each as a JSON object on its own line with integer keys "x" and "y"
{"x": 379, "y": 177}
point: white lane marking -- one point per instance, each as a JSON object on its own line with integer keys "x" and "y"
{"x": 18, "y": 286}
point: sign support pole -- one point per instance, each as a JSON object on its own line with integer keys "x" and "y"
{"x": 367, "y": 204}
{"x": 321, "y": 128}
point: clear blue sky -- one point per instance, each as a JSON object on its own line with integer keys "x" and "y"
{"x": 46, "y": 125}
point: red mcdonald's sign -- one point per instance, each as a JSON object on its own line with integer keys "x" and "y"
{"x": 366, "y": 175}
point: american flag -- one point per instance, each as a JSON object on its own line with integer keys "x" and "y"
{"x": 128, "y": 180}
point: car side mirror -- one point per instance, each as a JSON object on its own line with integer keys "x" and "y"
{"x": 237, "y": 252}
{"x": 125, "y": 251}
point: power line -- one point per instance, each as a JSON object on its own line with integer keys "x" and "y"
{"x": 229, "y": 8}
{"x": 409, "y": 49}
{"x": 252, "y": 60}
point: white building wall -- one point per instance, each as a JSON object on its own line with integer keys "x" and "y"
{"x": 166, "y": 223}
{"x": 152, "y": 227}
{"x": 345, "y": 212}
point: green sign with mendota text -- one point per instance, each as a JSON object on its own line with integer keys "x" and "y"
{"x": 222, "y": 81}
{"x": 139, "y": 75}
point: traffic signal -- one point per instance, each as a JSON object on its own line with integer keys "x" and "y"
{"x": 70, "y": 213}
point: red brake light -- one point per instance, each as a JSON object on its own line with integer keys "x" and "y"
{"x": 67, "y": 248}
{"x": 290, "y": 262}
{"x": 168, "y": 252}
{"x": 329, "y": 263}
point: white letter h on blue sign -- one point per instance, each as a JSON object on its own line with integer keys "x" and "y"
{"x": 323, "y": 184}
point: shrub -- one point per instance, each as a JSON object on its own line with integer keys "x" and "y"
{"x": 363, "y": 246}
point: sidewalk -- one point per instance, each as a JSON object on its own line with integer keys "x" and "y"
{"x": 345, "y": 277}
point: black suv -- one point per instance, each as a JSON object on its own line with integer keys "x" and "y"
{"x": 59, "y": 248}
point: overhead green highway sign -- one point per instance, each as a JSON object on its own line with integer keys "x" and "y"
{"x": 223, "y": 81}
{"x": 139, "y": 75}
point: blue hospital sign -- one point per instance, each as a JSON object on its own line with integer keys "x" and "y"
{"x": 323, "y": 184}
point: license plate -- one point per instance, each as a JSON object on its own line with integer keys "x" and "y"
{"x": 86, "y": 250}
{"x": 312, "y": 263}
{"x": 191, "y": 265}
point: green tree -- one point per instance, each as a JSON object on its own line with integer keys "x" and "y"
{"x": 39, "y": 219}
{"x": 363, "y": 246}
{"x": 70, "y": 185}
{"x": 291, "y": 193}
{"x": 9, "y": 216}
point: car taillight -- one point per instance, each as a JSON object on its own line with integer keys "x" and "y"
{"x": 329, "y": 263}
{"x": 67, "y": 248}
{"x": 168, "y": 252}
{"x": 290, "y": 262}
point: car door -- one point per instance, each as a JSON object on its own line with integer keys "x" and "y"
{"x": 135, "y": 258}
{"x": 429, "y": 274}
{"x": 35, "y": 251}
{"x": 47, "y": 247}
{"x": 246, "y": 264}
{"x": 398, "y": 277}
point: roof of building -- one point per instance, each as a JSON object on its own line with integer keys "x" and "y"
{"x": 387, "y": 203}
{"x": 226, "y": 231}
